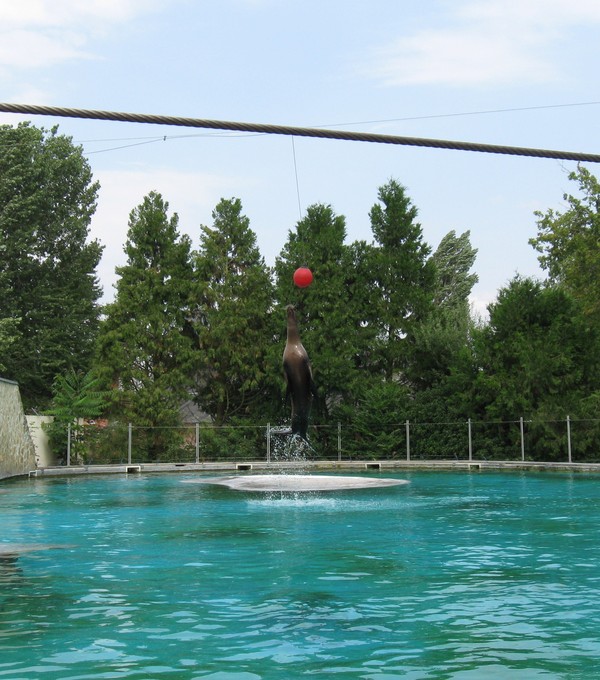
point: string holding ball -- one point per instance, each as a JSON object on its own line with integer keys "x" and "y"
{"x": 303, "y": 277}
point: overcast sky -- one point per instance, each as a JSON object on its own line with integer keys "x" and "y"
{"x": 513, "y": 72}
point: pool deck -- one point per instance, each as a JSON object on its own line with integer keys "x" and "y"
{"x": 313, "y": 466}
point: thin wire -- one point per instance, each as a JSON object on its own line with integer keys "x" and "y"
{"x": 164, "y": 138}
{"x": 297, "y": 184}
{"x": 465, "y": 113}
{"x": 298, "y": 131}
{"x": 127, "y": 146}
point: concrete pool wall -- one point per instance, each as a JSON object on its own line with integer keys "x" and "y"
{"x": 17, "y": 453}
{"x": 312, "y": 467}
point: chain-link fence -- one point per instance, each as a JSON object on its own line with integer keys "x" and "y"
{"x": 569, "y": 441}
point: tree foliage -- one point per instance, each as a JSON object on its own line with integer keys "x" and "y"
{"x": 9, "y": 334}
{"x": 144, "y": 351}
{"x": 387, "y": 324}
{"x": 568, "y": 242}
{"x": 538, "y": 354}
{"x": 453, "y": 260}
{"x": 231, "y": 317}
{"x": 445, "y": 334}
{"x": 48, "y": 283}
{"x": 403, "y": 275}
{"x": 77, "y": 398}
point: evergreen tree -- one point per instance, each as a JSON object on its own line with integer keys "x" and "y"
{"x": 77, "y": 398}
{"x": 363, "y": 296}
{"x": 404, "y": 277}
{"x": 144, "y": 351}
{"x": 232, "y": 317}
{"x": 374, "y": 425}
{"x": 48, "y": 283}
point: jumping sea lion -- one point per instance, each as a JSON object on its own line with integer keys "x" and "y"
{"x": 298, "y": 375}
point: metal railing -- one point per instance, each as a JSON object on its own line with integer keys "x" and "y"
{"x": 566, "y": 440}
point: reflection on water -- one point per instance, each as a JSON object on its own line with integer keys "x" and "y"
{"x": 10, "y": 570}
{"x": 456, "y": 575}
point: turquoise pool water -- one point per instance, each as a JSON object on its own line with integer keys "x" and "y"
{"x": 457, "y": 575}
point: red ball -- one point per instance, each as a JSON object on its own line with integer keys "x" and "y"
{"x": 303, "y": 277}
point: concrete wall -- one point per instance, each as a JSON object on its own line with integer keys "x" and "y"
{"x": 17, "y": 453}
{"x": 43, "y": 455}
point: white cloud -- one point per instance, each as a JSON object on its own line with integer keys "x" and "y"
{"x": 479, "y": 302}
{"x": 460, "y": 57}
{"x": 485, "y": 42}
{"x": 34, "y": 49}
{"x": 36, "y": 33}
{"x": 52, "y": 13}
{"x": 542, "y": 13}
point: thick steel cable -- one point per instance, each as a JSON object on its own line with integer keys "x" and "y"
{"x": 296, "y": 131}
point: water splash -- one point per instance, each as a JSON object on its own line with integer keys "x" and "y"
{"x": 289, "y": 448}
{"x": 292, "y": 451}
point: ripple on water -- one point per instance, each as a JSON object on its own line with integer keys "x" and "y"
{"x": 454, "y": 576}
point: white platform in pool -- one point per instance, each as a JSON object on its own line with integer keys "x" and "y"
{"x": 283, "y": 482}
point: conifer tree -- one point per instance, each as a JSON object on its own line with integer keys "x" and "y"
{"x": 231, "y": 317}
{"x": 144, "y": 351}
{"x": 77, "y": 398}
{"x": 403, "y": 275}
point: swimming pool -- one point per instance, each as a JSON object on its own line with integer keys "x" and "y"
{"x": 456, "y": 575}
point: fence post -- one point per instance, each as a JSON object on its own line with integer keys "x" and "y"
{"x": 569, "y": 439}
{"x": 339, "y": 441}
{"x": 407, "y": 425}
{"x": 129, "y": 429}
{"x": 522, "y": 438}
{"x": 268, "y": 442}
{"x": 197, "y": 443}
{"x": 69, "y": 445}
{"x": 470, "y": 441}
